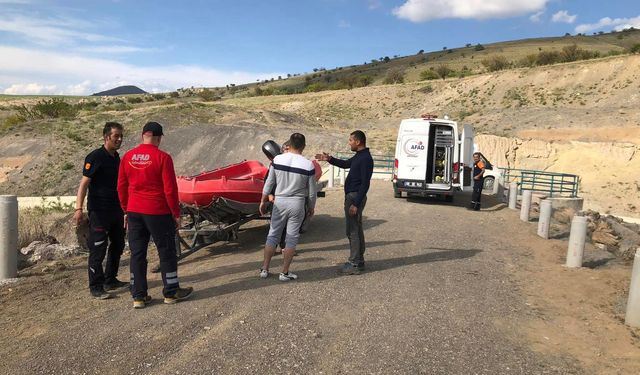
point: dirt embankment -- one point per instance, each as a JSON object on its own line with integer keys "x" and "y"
{"x": 581, "y": 118}
{"x": 608, "y": 171}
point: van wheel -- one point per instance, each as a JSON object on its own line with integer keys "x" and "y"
{"x": 448, "y": 198}
{"x": 397, "y": 194}
{"x": 488, "y": 183}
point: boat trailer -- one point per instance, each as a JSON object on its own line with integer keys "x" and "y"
{"x": 218, "y": 221}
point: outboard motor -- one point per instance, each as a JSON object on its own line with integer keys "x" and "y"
{"x": 271, "y": 149}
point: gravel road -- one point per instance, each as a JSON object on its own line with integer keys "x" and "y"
{"x": 436, "y": 298}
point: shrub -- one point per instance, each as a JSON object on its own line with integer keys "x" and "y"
{"x": 478, "y": 47}
{"x": 12, "y": 121}
{"x": 209, "y": 95}
{"x": 394, "y": 76}
{"x": 528, "y": 61}
{"x": 315, "y": 87}
{"x": 48, "y": 108}
{"x": 174, "y": 94}
{"x": 158, "y": 96}
{"x": 548, "y": 58}
{"x": 495, "y": 63}
{"x": 134, "y": 99}
{"x": 364, "y": 80}
{"x": 443, "y": 71}
{"x": 426, "y": 89}
{"x": 429, "y": 74}
{"x": 635, "y": 48}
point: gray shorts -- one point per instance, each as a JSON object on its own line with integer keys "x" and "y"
{"x": 287, "y": 211}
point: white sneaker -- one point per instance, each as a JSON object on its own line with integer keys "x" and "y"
{"x": 264, "y": 273}
{"x": 288, "y": 276}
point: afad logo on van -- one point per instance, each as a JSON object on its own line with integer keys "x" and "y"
{"x": 413, "y": 147}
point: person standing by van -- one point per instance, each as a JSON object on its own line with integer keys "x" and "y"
{"x": 478, "y": 181}
{"x": 106, "y": 231}
{"x": 148, "y": 194}
{"x": 356, "y": 187}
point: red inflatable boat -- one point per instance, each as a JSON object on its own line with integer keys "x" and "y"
{"x": 241, "y": 182}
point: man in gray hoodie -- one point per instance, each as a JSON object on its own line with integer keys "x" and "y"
{"x": 293, "y": 176}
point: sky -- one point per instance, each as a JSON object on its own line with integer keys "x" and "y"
{"x": 84, "y": 46}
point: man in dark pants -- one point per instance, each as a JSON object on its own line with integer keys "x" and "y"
{"x": 355, "y": 188}
{"x": 149, "y": 197}
{"x": 478, "y": 181}
{"x": 106, "y": 231}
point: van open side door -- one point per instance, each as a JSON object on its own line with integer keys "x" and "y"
{"x": 466, "y": 158}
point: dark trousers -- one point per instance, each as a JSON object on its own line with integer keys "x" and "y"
{"x": 106, "y": 232}
{"x": 355, "y": 233}
{"x": 162, "y": 229}
{"x": 476, "y": 196}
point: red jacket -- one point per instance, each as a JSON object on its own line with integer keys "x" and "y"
{"x": 147, "y": 182}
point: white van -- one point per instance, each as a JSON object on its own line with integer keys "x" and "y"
{"x": 432, "y": 158}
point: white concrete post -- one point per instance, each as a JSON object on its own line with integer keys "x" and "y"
{"x": 331, "y": 177}
{"x": 525, "y": 205}
{"x": 576, "y": 241}
{"x": 632, "y": 318}
{"x": 343, "y": 176}
{"x": 8, "y": 236}
{"x": 545, "y": 218}
{"x": 513, "y": 195}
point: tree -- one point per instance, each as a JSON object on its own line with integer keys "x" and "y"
{"x": 386, "y": 59}
{"x": 478, "y": 47}
{"x": 468, "y": 45}
{"x": 420, "y": 52}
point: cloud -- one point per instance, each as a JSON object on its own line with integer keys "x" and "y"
{"x": 29, "y": 89}
{"x": 51, "y": 31}
{"x": 563, "y": 16}
{"x": 115, "y": 49}
{"x": 426, "y": 10}
{"x": 536, "y": 17}
{"x": 25, "y": 71}
{"x": 616, "y": 24}
{"x": 374, "y": 4}
{"x": 344, "y": 24}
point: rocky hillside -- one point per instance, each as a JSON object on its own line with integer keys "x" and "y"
{"x": 580, "y": 118}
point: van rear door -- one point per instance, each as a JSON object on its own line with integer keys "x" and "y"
{"x": 466, "y": 158}
{"x": 412, "y": 160}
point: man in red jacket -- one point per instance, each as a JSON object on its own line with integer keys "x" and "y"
{"x": 148, "y": 195}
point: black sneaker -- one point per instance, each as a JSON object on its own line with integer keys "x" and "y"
{"x": 361, "y": 266}
{"x": 117, "y": 284}
{"x": 180, "y": 294}
{"x": 141, "y": 303}
{"x": 100, "y": 294}
{"x": 349, "y": 269}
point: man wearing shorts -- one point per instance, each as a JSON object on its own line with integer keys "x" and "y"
{"x": 293, "y": 176}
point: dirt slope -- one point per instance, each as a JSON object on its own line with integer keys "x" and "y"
{"x": 580, "y": 118}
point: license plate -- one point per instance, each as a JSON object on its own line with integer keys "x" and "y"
{"x": 413, "y": 184}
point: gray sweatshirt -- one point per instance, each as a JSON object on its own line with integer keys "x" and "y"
{"x": 293, "y": 176}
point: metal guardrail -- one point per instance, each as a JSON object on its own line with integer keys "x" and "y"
{"x": 554, "y": 183}
{"x": 381, "y": 163}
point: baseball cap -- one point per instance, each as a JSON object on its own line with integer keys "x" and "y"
{"x": 153, "y": 127}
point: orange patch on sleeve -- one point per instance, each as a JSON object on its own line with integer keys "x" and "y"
{"x": 87, "y": 166}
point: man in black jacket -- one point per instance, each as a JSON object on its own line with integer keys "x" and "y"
{"x": 355, "y": 188}
{"x": 106, "y": 225}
